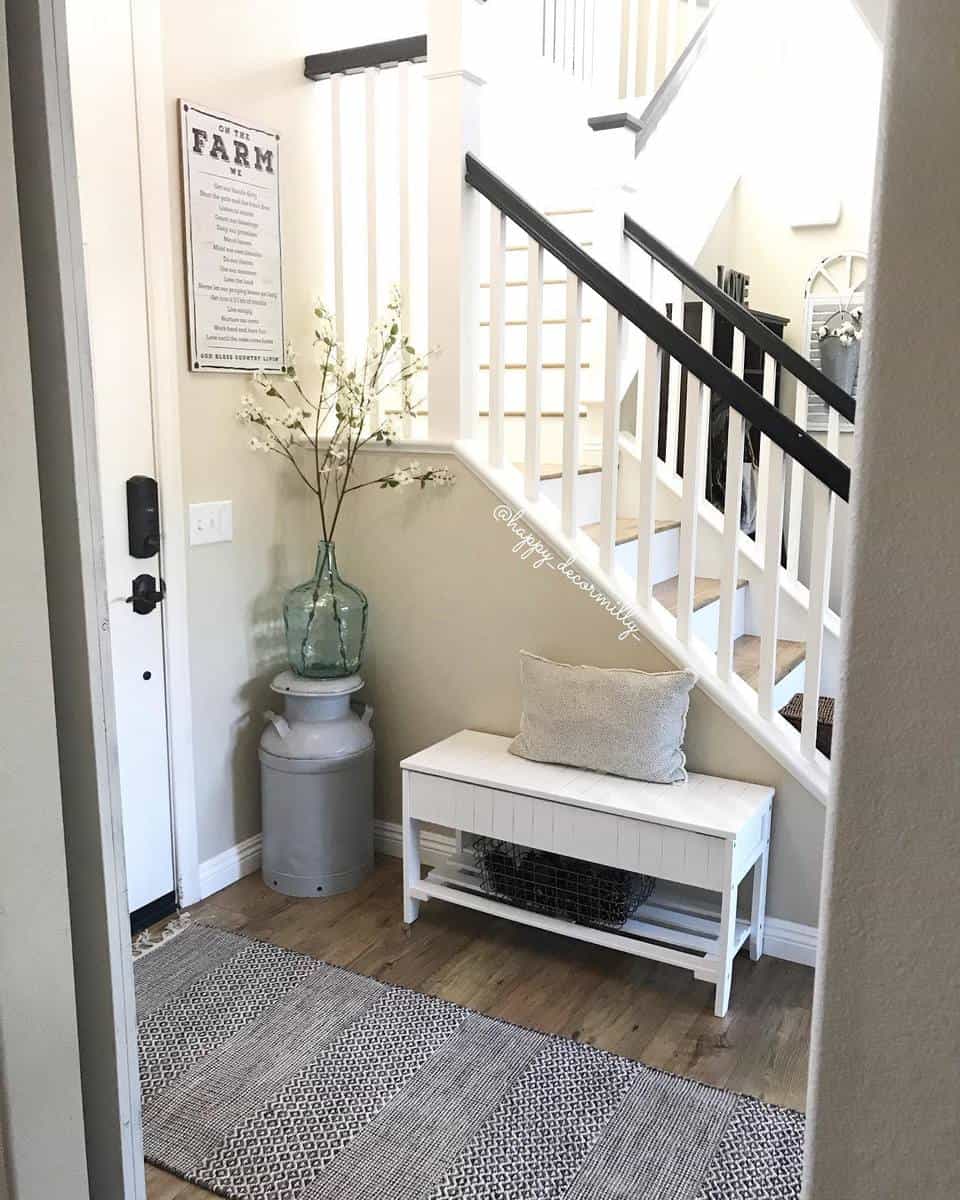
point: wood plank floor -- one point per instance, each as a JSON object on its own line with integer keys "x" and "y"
{"x": 643, "y": 1010}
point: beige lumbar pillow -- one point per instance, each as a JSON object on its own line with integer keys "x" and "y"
{"x": 622, "y": 722}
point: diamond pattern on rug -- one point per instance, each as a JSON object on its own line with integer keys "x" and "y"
{"x": 276, "y": 1153}
{"x": 760, "y": 1156}
{"x": 536, "y": 1140}
{"x": 277, "y": 1077}
{"x": 209, "y": 1012}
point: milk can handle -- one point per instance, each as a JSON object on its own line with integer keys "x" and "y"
{"x": 280, "y": 724}
{"x": 367, "y": 714}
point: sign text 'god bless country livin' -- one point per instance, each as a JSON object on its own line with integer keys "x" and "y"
{"x": 231, "y": 198}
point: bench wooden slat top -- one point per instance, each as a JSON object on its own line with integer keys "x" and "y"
{"x": 705, "y": 803}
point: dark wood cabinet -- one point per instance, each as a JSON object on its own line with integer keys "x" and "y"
{"x": 753, "y": 375}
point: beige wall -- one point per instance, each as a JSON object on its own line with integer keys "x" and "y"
{"x": 886, "y": 1085}
{"x": 245, "y": 58}
{"x": 235, "y": 588}
{"x": 451, "y": 606}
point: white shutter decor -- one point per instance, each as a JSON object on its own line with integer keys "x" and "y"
{"x": 835, "y": 284}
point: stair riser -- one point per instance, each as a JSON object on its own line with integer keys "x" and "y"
{"x": 554, "y": 302}
{"x": 666, "y": 556}
{"x": 788, "y": 687}
{"x": 518, "y": 267}
{"x": 553, "y": 341}
{"x": 588, "y": 495}
{"x": 551, "y": 390}
{"x": 706, "y": 620}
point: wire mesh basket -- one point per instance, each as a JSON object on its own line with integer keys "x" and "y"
{"x": 581, "y": 892}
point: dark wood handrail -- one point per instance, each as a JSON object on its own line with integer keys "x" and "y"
{"x": 793, "y": 440}
{"x": 359, "y": 58}
{"x": 741, "y": 318}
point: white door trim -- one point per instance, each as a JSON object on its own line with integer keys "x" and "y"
{"x": 77, "y": 594}
{"x": 158, "y": 257}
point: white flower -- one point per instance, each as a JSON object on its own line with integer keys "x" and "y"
{"x": 442, "y": 477}
{"x": 249, "y": 412}
{"x": 256, "y": 444}
{"x": 260, "y": 379}
{"x": 293, "y": 418}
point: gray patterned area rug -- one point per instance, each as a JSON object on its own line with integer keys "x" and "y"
{"x": 268, "y": 1075}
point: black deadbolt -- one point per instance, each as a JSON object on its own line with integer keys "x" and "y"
{"x": 143, "y": 516}
{"x": 145, "y": 596}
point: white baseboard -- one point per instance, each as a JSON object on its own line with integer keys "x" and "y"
{"x": 783, "y": 939}
{"x": 791, "y": 942}
{"x": 434, "y": 846}
{"x": 223, "y": 869}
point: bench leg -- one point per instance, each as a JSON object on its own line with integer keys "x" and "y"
{"x": 411, "y": 859}
{"x": 728, "y": 932}
{"x": 758, "y": 911}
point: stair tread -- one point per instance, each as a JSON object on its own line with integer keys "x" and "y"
{"x": 627, "y": 528}
{"x": 545, "y": 321}
{"x": 514, "y": 283}
{"x": 746, "y": 657}
{"x": 555, "y": 470}
{"x": 525, "y": 247}
{"x": 547, "y": 366}
{"x": 705, "y": 591}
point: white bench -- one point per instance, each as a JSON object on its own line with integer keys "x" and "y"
{"x": 706, "y": 833}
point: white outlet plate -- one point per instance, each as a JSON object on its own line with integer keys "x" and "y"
{"x": 211, "y": 522}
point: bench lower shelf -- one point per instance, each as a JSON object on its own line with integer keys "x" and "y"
{"x": 664, "y": 930}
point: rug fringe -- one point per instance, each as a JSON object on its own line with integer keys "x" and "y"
{"x": 146, "y": 942}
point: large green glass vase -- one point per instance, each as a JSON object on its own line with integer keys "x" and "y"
{"x": 326, "y": 622}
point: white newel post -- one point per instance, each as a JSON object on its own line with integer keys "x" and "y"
{"x": 455, "y": 36}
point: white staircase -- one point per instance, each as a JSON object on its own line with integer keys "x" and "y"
{"x": 561, "y": 321}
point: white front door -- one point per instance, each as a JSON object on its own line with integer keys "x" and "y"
{"x": 111, "y": 218}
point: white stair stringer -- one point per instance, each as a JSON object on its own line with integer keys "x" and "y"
{"x": 736, "y": 698}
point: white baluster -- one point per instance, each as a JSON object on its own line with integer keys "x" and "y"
{"x": 673, "y": 34}
{"x": 648, "y": 400}
{"x": 652, "y": 48}
{"x": 771, "y": 579}
{"x": 534, "y": 370}
{"x": 795, "y": 517}
{"x": 549, "y": 29}
{"x": 675, "y": 384}
{"x": 336, "y": 164}
{"x": 629, "y": 46}
{"x": 821, "y": 557}
{"x": 403, "y": 210}
{"x": 590, "y": 41}
{"x": 833, "y": 432}
{"x": 730, "y": 555}
{"x": 610, "y": 449}
{"x": 571, "y": 404}
{"x": 498, "y": 305}
{"x": 373, "y": 298}
{"x": 694, "y": 481}
{"x": 763, "y": 470}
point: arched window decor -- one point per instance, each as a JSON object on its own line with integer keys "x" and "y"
{"x": 834, "y": 290}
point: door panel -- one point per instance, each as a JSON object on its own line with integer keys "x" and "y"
{"x": 110, "y": 205}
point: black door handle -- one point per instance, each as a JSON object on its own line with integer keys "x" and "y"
{"x": 146, "y": 596}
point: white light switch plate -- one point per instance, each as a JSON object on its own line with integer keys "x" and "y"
{"x": 211, "y": 522}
